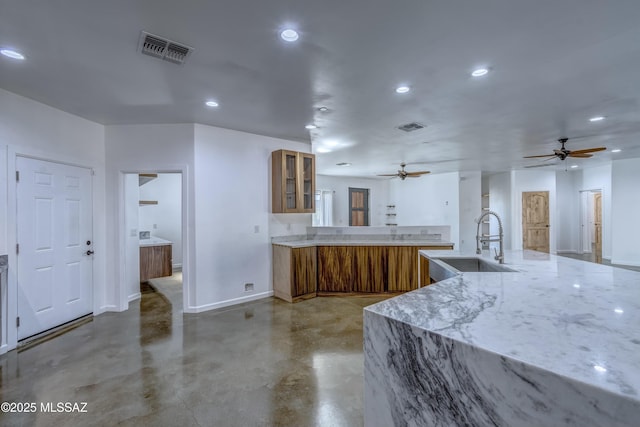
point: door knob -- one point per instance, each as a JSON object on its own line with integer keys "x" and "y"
{"x": 89, "y": 252}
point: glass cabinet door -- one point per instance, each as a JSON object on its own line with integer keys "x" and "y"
{"x": 291, "y": 174}
{"x": 308, "y": 187}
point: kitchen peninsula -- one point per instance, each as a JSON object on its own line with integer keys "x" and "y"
{"x": 554, "y": 343}
{"x": 352, "y": 260}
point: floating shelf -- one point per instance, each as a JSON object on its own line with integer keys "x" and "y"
{"x": 147, "y": 202}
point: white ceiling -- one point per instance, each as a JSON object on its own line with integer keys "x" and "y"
{"x": 553, "y": 65}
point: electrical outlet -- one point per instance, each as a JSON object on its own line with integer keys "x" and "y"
{"x": 288, "y": 226}
{"x": 256, "y": 228}
{"x": 134, "y": 232}
{"x": 155, "y": 226}
{"x": 248, "y": 287}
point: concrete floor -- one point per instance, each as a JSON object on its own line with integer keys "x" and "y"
{"x": 266, "y": 363}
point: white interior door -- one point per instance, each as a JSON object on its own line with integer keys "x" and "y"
{"x": 54, "y": 222}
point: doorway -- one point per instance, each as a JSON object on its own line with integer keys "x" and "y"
{"x": 358, "y": 206}
{"x": 55, "y": 244}
{"x": 535, "y": 220}
{"x": 591, "y": 225}
{"x": 153, "y": 235}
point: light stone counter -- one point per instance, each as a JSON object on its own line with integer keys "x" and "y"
{"x": 556, "y": 343}
{"x": 360, "y": 242}
{"x": 154, "y": 241}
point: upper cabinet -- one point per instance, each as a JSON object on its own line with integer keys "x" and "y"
{"x": 293, "y": 182}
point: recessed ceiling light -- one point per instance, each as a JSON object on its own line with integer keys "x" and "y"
{"x": 331, "y": 143}
{"x": 322, "y": 150}
{"x": 289, "y": 35}
{"x": 479, "y": 72}
{"x": 617, "y": 150}
{"x": 211, "y": 104}
{"x": 403, "y": 89}
{"x": 574, "y": 166}
{"x": 599, "y": 368}
{"x": 596, "y": 119}
{"x": 311, "y": 126}
{"x": 343, "y": 164}
{"x": 619, "y": 310}
{"x": 12, "y": 54}
{"x": 323, "y": 109}
{"x": 575, "y": 285}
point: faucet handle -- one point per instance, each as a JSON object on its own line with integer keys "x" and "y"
{"x": 495, "y": 251}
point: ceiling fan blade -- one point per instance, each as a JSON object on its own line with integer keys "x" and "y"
{"x": 588, "y": 150}
{"x": 388, "y": 174}
{"x": 580, "y": 155}
{"x": 417, "y": 173}
{"x": 542, "y": 155}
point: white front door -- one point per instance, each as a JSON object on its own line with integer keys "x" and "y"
{"x": 54, "y": 221}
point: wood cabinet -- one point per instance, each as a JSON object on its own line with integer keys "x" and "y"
{"x": 155, "y": 261}
{"x": 335, "y": 268}
{"x": 370, "y": 269}
{"x": 294, "y": 272}
{"x": 293, "y": 182}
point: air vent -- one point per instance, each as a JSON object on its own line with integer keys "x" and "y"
{"x": 163, "y": 48}
{"x": 410, "y": 127}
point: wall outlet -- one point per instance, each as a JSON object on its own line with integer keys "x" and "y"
{"x": 256, "y": 228}
{"x": 288, "y": 226}
{"x": 133, "y": 232}
{"x": 248, "y": 287}
{"x": 155, "y": 226}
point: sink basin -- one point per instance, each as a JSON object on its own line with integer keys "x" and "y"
{"x": 444, "y": 268}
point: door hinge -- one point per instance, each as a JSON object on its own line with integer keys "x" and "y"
{"x": 18, "y": 321}
{"x": 17, "y": 248}
{"x": 17, "y": 176}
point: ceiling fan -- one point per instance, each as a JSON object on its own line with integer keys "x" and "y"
{"x": 403, "y": 174}
{"x": 562, "y": 153}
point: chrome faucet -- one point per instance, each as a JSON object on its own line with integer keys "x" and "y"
{"x": 490, "y": 238}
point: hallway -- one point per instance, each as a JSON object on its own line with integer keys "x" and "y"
{"x": 264, "y": 363}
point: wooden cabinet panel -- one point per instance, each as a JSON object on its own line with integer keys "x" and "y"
{"x": 403, "y": 268}
{"x": 335, "y": 268}
{"x": 304, "y": 271}
{"x": 370, "y": 269}
{"x": 155, "y": 261}
{"x": 293, "y": 182}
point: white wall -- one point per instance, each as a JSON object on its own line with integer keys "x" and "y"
{"x": 33, "y": 129}
{"x": 232, "y": 194}
{"x": 148, "y": 148}
{"x": 625, "y": 195}
{"x": 428, "y": 200}
{"x": 533, "y": 180}
{"x": 378, "y": 197}
{"x": 164, "y": 220}
{"x": 132, "y": 243}
{"x": 500, "y": 202}
{"x": 568, "y": 211}
{"x": 470, "y": 208}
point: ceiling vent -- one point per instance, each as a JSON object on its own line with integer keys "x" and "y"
{"x": 163, "y": 48}
{"x": 410, "y": 127}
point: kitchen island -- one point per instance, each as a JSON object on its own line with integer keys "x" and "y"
{"x": 556, "y": 342}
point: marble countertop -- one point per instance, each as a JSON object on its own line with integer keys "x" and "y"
{"x": 573, "y": 318}
{"x": 154, "y": 241}
{"x": 357, "y": 242}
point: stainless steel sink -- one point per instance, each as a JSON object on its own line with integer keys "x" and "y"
{"x": 445, "y": 267}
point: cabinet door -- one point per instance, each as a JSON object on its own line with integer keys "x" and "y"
{"x": 285, "y": 185}
{"x": 403, "y": 268}
{"x": 307, "y": 182}
{"x": 370, "y": 269}
{"x": 304, "y": 271}
{"x": 335, "y": 268}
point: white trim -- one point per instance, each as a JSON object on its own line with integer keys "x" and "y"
{"x": 177, "y": 267}
{"x": 633, "y": 263}
{"x": 229, "y": 302}
{"x": 108, "y": 308}
{"x": 135, "y": 296}
{"x": 4, "y": 348}
{"x": 566, "y": 251}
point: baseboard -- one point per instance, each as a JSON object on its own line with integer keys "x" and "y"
{"x": 176, "y": 267}
{"x": 106, "y": 308}
{"x": 135, "y": 296}
{"x": 633, "y": 263}
{"x": 566, "y": 251}
{"x": 4, "y": 348}
{"x": 229, "y": 302}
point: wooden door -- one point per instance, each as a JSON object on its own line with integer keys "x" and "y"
{"x": 597, "y": 222}
{"x": 358, "y": 206}
{"x": 55, "y": 262}
{"x": 535, "y": 221}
